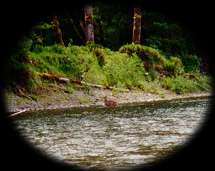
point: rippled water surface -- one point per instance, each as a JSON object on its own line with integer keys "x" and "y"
{"x": 120, "y": 137}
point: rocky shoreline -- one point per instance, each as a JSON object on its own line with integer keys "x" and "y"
{"x": 61, "y": 100}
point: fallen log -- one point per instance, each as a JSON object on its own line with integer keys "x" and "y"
{"x": 17, "y": 113}
{"x": 98, "y": 86}
{"x": 67, "y": 80}
{"x": 48, "y": 76}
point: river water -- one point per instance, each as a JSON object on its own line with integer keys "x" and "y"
{"x": 111, "y": 138}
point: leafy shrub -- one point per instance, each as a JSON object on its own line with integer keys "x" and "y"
{"x": 24, "y": 46}
{"x": 144, "y": 52}
{"x": 17, "y": 69}
{"x": 70, "y": 61}
{"x": 173, "y": 66}
{"x": 191, "y": 63}
{"x": 123, "y": 71}
{"x": 92, "y": 46}
{"x": 37, "y": 48}
{"x": 132, "y": 48}
{"x": 184, "y": 85}
{"x": 99, "y": 65}
{"x": 154, "y": 61}
{"x": 203, "y": 82}
{"x": 42, "y": 34}
{"x": 150, "y": 86}
{"x": 154, "y": 54}
{"x": 69, "y": 88}
{"x": 100, "y": 56}
{"x": 57, "y": 49}
{"x": 153, "y": 75}
{"x": 179, "y": 84}
{"x": 95, "y": 75}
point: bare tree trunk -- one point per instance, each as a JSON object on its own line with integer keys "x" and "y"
{"x": 57, "y": 30}
{"x": 136, "y": 36}
{"x": 88, "y": 18}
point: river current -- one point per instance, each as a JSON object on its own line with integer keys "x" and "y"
{"x": 119, "y": 137}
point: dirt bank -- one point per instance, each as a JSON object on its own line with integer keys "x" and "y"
{"x": 60, "y": 99}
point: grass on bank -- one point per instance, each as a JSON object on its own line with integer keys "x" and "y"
{"x": 132, "y": 67}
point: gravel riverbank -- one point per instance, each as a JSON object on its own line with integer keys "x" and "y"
{"x": 59, "y": 99}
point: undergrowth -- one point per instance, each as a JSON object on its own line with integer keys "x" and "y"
{"x": 132, "y": 67}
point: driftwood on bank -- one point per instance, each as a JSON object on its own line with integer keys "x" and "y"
{"x": 17, "y": 113}
{"x": 53, "y": 77}
{"x": 79, "y": 82}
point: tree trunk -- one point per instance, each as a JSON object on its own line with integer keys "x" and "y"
{"x": 88, "y": 18}
{"x": 57, "y": 30}
{"x": 136, "y": 36}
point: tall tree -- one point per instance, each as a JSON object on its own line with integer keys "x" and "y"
{"x": 57, "y": 30}
{"x": 88, "y": 19}
{"x": 136, "y": 36}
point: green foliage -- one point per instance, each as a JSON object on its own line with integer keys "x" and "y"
{"x": 168, "y": 58}
{"x": 92, "y": 46}
{"x": 158, "y": 32}
{"x": 71, "y": 61}
{"x": 173, "y": 66}
{"x": 112, "y": 31}
{"x": 132, "y": 67}
{"x": 144, "y": 52}
{"x": 151, "y": 86}
{"x": 166, "y": 35}
{"x": 204, "y": 82}
{"x": 155, "y": 60}
{"x": 171, "y": 38}
{"x": 169, "y": 66}
{"x": 17, "y": 68}
{"x": 122, "y": 71}
{"x": 24, "y": 47}
{"x": 181, "y": 84}
{"x": 42, "y": 34}
{"x": 95, "y": 75}
{"x": 155, "y": 55}
{"x": 152, "y": 75}
{"x": 94, "y": 65}
{"x": 43, "y": 26}
{"x": 69, "y": 88}
{"x": 132, "y": 48}
{"x": 191, "y": 63}
{"x": 100, "y": 56}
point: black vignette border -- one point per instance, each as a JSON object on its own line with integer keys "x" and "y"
{"x": 16, "y": 20}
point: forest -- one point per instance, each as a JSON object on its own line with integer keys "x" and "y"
{"x": 134, "y": 49}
